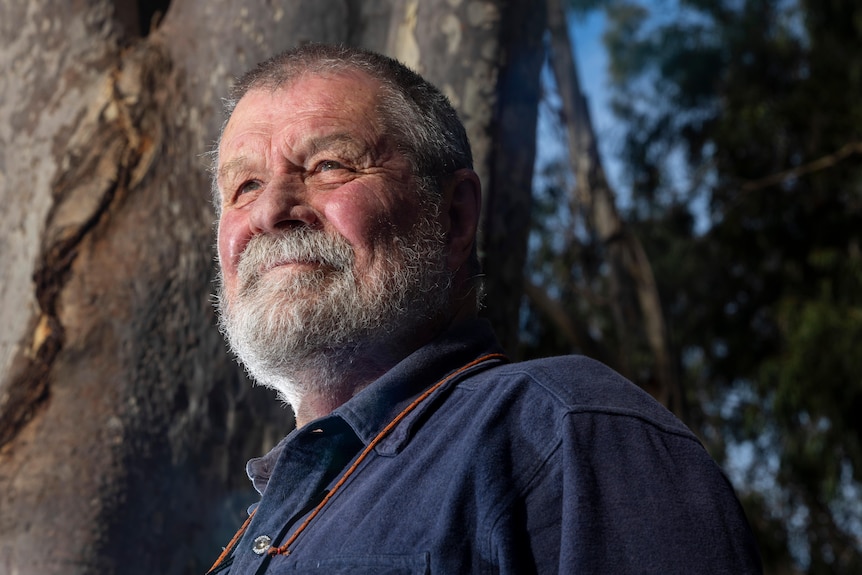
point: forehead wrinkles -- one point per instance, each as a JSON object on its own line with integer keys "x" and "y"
{"x": 338, "y": 113}
{"x": 362, "y": 83}
{"x": 240, "y": 136}
{"x": 352, "y": 98}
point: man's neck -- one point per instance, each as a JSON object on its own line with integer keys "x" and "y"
{"x": 325, "y": 389}
{"x": 310, "y": 408}
{"x": 336, "y": 381}
{"x": 313, "y": 405}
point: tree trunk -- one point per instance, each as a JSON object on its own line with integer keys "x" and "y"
{"x": 634, "y": 295}
{"x": 124, "y": 425}
{"x": 486, "y": 57}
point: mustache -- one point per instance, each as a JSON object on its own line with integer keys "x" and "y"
{"x": 302, "y": 245}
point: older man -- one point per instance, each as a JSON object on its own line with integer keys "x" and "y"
{"x": 348, "y": 212}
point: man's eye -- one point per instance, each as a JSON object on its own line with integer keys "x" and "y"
{"x": 329, "y": 165}
{"x": 248, "y": 187}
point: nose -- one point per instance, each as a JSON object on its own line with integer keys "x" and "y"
{"x": 281, "y": 205}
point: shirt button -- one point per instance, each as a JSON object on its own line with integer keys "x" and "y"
{"x": 261, "y": 544}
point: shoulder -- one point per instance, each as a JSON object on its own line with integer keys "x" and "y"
{"x": 574, "y": 385}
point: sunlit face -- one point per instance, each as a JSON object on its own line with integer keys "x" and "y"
{"x": 322, "y": 239}
{"x": 312, "y": 154}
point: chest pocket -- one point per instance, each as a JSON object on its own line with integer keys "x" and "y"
{"x": 364, "y": 565}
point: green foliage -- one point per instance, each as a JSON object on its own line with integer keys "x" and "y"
{"x": 762, "y": 284}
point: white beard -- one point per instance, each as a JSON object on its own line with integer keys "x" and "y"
{"x": 304, "y": 332}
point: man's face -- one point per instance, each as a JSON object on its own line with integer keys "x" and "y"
{"x": 322, "y": 237}
{"x": 312, "y": 154}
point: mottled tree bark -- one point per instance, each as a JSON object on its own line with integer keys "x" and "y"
{"x": 121, "y": 428}
{"x": 124, "y": 424}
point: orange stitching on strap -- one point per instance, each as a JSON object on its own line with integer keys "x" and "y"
{"x": 284, "y": 549}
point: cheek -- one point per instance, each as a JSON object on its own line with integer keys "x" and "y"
{"x": 233, "y": 236}
{"x": 370, "y": 215}
{"x": 366, "y": 227}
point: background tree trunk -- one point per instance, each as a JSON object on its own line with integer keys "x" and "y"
{"x": 634, "y": 296}
{"x": 508, "y": 201}
{"x": 124, "y": 425}
{"x": 486, "y": 57}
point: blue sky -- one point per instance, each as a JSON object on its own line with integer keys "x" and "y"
{"x": 592, "y": 60}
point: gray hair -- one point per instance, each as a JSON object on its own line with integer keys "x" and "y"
{"x": 419, "y": 118}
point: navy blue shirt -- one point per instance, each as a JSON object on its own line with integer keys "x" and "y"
{"x": 556, "y": 465}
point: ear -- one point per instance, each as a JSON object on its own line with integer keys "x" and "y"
{"x": 460, "y": 209}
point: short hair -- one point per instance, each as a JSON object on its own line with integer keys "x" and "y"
{"x": 417, "y": 115}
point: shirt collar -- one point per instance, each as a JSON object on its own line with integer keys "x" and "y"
{"x": 374, "y": 407}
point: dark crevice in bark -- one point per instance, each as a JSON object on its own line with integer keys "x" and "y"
{"x": 150, "y": 14}
{"x": 28, "y": 391}
{"x": 30, "y": 388}
{"x": 109, "y": 162}
{"x": 140, "y": 18}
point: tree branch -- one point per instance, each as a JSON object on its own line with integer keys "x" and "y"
{"x": 819, "y": 164}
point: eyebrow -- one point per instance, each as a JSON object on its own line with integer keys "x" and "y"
{"x": 230, "y": 167}
{"x": 324, "y": 142}
{"x": 315, "y": 145}
{"x": 344, "y": 144}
